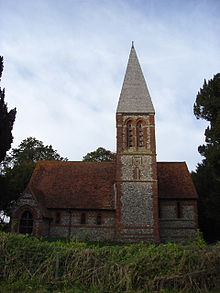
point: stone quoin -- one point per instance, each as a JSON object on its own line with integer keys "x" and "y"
{"x": 134, "y": 198}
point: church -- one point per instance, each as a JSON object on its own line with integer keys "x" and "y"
{"x": 132, "y": 199}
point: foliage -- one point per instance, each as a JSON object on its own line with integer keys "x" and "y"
{"x": 207, "y": 106}
{"x": 19, "y": 165}
{"x": 7, "y": 119}
{"x": 100, "y": 155}
{"x": 32, "y": 150}
{"x": 207, "y": 175}
{"x": 28, "y": 264}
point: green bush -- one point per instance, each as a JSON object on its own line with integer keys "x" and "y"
{"x": 28, "y": 264}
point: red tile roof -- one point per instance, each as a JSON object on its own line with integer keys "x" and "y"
{"x": 174, "y": 181}
{"x": 58, "y": 184}
{"x": 90, "y": 185}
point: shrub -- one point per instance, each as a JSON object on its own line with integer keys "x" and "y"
{"x": 28, "y": 264}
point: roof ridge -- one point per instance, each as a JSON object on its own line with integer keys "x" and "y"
{"x": 66, "y": 162}
{"x": 174, "y": 162}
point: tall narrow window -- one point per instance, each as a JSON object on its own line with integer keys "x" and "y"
{"x": 159, "y": 210}
{"x": 26, "y": 223}
{"x": 115, "y": 195}
{"x": 136, "y": 173}
{"x": 83, "y": 219}
{"x": 139, "y": 134}
{"x": 129, "y": 134}
{"x": 57, "y": 220}
{"x": 179, "y": 214}
{"x": 99, "y": 219}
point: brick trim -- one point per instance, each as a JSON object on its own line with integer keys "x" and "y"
{"x": 19, "y": 213}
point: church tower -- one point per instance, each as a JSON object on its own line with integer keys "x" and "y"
{"x": 136, "y": 178}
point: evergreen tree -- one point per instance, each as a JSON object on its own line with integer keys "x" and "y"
{"x": 207, "y": 175}
{"x": 7, "y": 119}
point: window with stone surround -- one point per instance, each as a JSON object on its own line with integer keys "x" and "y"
{"x": 26, "y": 223}
{"x": 129, "y": 134}
{"x": 139, "y": 131}
{"x": 83, "y": 219}
{"x": 99, "y": 219}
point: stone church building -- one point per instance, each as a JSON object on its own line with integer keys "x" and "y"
{"x": 134, "y": 198}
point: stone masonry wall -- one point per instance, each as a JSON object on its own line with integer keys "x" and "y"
{"x": 49, "y": 227}
{"x": 136, "y": 177}
{"x": 130, "y": 162}
{"x": 45, "y": 227}
{"x": 70, "y": 225}
{"x": 26, "y": 203}
{"x": 136, "y": 204}
{"x": 177, "y": 225}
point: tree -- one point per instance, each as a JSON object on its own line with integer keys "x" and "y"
{"x": 19, "y": 165}
{"x": 32, "y": 150}
{"x": 207, "y": 175}
{"x": 100, "y": 155}
{"x": 7, "y": 119}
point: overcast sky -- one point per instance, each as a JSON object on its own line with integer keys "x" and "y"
{"x": 65, "y": 60}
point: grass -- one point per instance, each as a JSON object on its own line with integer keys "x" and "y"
{"x": 28, "y": 264}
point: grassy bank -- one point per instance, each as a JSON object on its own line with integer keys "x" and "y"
{"x": 29, "y": 264}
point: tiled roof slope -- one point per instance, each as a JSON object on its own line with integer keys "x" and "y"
{"x": 58, "y": 184}
{"x": 90, "y": 185}
{"x": 134, "y": 97}
{"x": 174, "y": 181}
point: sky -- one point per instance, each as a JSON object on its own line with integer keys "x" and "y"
{"x": 65, "y": 61}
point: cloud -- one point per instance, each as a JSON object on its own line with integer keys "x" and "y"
{"x": 65, "y": 62}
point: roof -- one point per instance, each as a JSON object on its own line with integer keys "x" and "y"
{"x": 174, "y": 181}
{"x": 134, "y": 97}
{"x": 61, "y": 184}
{"x": 90, "y": 185}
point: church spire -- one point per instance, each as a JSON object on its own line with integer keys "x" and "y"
{"x": 134, "y": 97}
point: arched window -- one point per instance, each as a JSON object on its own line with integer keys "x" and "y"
{"x": 26, "y": 223}
{"x": 139, "y": 134}
{"x": 99, "y": 219}
{"x": 129, "y": 134}
{"x": 83, "y": 219}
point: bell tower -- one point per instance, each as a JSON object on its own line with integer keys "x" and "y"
{"x": 136, "y": 178}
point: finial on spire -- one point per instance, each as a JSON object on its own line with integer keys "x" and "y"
{"x": 132, "y": 44}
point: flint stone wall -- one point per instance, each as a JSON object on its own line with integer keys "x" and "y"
{"x": 84, "y": 233}
{"x": 136, "y": 204}
{"x": 108, "y": 218}
{"x": 177, "y": 234}
{"x": 137, "y": 231}
{"x": 26, "y": 200}
{"x": 89, "y": 231}
{"x": 130, "y": 162}
{"x": 45, "y": 228}
{"x": 177, "y": 229}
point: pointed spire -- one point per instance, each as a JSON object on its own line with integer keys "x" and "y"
{"x": 134, "y": 97}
